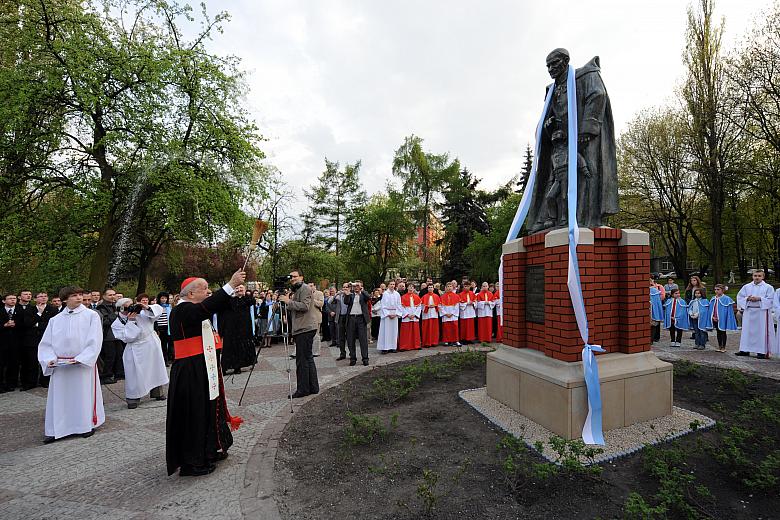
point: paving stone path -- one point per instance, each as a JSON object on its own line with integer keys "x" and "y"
{"x": 119, "y": 472}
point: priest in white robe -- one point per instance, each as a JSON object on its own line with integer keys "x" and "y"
{"x": 68, "y": 352}
{"x": 390, "y": 312}
{"x": 755, "y": 301}
{"x": 143, "y": 359}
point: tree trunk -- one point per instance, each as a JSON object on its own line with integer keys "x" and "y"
{"x": 98, "y": 272}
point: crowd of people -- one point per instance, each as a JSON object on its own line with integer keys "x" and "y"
{"x": 756, "y": 313}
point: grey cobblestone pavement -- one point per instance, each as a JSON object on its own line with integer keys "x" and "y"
{"x": 120, "y": 472}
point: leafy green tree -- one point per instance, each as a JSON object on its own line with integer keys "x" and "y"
{"x": 464, "y": 213}
{"x": 140, "y": 106}
{"x": 424, "y": 175}
{"x": 379, "y": 238}
{"x": 713, "y": 136}
{"x": 316, "y": 263}
{"x": 484, "y": 251}
{"x": 335, "y": 199}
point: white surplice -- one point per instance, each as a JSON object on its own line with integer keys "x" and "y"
{"x": 757, "y": 329}
{"x": 390, "y": 304}
{"x": 776, "y": 308}
{"x": 143, "y": 357}
{"x": 75, "y": 402}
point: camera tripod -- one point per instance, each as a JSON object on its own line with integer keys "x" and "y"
{"x": 281, "y": 308}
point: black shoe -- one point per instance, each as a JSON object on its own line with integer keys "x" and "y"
{"x": 222, "y": 455}
{"x": 297, "y": 395}
{"x": 161, "y": 398}
{"x": 196, "y": 471}
{"x": 237, "y": 371}
{"x": 108, "y": 380}
{"x": 292, "y": 356}
{"x": 48, "y": 440}
{"x": 761, "y": 356}
{"x": 132, "y": 406}
{"x": 340, "y": 358}
{"x": 90, "y": 433}
{"x": 352, "y": 362}
{"x": 741, "y": 353}
{"x": 365, "y": 362}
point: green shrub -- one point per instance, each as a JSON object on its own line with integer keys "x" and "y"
{"x": 364, "y": 429}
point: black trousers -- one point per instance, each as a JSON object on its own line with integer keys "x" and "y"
{"x": 9, "y": 364}
{"x": 375, "y": 321}
{"x": 675, "y": 334}
{"x": 325, "y": 329}
{"x": 111, "y": 356}
{"x": 305, "y": 369}
{"x": 334, "y": 332}
{"x": 30, "y": 366}
{"x": 356, "y": 326}
{"x": 166, "y": 343}
{"x": 655, "y": 332}
{"x": 721, "y": 337}
{"x": 343, "y": 334}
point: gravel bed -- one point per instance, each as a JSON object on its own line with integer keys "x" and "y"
{"x": 618, "y": 443}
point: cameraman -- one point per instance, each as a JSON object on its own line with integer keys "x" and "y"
{"x": 143, "y": 359}
{"x": 304, "y": 327}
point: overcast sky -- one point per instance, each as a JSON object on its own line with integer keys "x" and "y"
{"x": 350, "y": 79}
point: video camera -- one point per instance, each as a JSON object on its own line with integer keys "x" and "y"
{"x": 280, "y": 282}
{"x": 135, "y": 308}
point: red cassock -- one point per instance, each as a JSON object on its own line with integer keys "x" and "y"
{"x": 467, "y": 316}
{"x": 430, "y": 319}
{"x": 409, "y": 336}
{"x": 449, "y": 329}
{"x": 485, "y": 322}
{"x": 499, "y": 317}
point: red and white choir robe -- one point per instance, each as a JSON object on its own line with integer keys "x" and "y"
{"x": 430, "y": 319}
{"x": 468, "y": 315}
{"x": 72, "y": 341}
{"x": 757, "y": 328}
{"x": 409, "y": 338}
{"x": 485, "y": 316}
{"x": 499, "y": 318}
{"x": 450, "y": 309}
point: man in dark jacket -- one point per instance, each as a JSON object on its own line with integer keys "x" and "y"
{"x": 358, "y": 319}
{"x": 111, "y": 351}
{"x": 11, "y": 323}
{"x": 304, "y": 327}
{"x": 36, "y": 318}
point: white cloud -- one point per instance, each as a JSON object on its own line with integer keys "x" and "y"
{"x": 350, "y": 79}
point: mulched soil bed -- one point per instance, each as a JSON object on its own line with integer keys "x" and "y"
{"x": 320, "y": 475}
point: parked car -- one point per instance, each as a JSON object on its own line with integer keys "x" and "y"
{"x": 668, "y": 275}
{"x": 768, "y": 271}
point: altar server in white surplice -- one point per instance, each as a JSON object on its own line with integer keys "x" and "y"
{"x": 755, "y": 302}
{"x": 68, "y": 352}
{"x": 145, "y": 371}
{"x": 390, "y": 311}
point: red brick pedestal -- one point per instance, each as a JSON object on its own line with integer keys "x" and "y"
{"x": 544, "y": 358}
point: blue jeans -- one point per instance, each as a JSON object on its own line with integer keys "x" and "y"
{"x": 700, "y": 335}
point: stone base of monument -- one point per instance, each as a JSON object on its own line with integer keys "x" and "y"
{"x": 539, "y": 372}
{"x": 634, "y": 388}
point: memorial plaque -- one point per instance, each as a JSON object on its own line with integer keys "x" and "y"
{"x": 534, "y": 294}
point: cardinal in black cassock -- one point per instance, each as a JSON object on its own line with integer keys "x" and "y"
{"x": 198, "y": 428}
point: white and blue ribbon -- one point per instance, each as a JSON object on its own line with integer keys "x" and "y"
{"x": 525, "y": 202}
{"x": 592, "y": 429}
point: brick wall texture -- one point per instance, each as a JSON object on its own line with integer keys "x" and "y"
{"x": 614, "y": 286}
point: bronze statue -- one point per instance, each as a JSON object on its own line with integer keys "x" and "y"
{"x": 597, "y": 188}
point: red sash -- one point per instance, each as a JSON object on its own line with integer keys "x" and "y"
{"x": 184, "y": 348}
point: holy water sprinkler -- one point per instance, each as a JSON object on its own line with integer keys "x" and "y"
{"x": 261, "y": 226}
